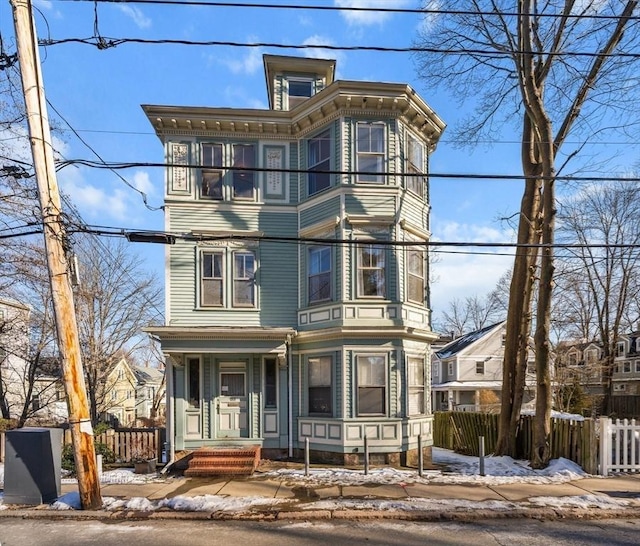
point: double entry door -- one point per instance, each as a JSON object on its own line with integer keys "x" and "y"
{"x": 231, "y": 402}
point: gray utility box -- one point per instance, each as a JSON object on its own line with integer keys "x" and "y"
{"x": 33, "y": 458}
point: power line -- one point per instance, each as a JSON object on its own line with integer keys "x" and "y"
{"x": 190, "y": 237}
{"x": 104, "y": 43}
{"x": 465, "y": 176}
{"x": 102, "y": 161}
{"x": 361, "y": 9}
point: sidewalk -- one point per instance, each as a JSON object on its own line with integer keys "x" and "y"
{"x": 294, "y": 496}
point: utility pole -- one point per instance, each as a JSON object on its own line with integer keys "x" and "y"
{"x": 55, "y": 239}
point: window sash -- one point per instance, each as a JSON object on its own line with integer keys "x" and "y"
{"x": 244, "y": 279}
{"x": 415, "y": 269}
{"x": 415, "y": 165}
{"x": 480, "y": 367}
{"x": 319, "y": 274}
{"x": 212, "y": 282}
{"x": 271, "y": 383}
{"x": 320, "y": 385}
{"x": 319, "y": 160}
{"x": 416, "y": 380}
{"x": 372, "y": 381}
{"x": 371, "y": 271}
{"x": 211, "y": 183}
{"x": 193, "y": 385}
{"x": 243, "y": 181}
{"x": 370, "y": 152}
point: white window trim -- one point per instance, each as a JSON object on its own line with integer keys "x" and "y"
{"x": 220, "y": 252}
{"x": 326, "y": 134}
{"x": 332, "y": 386}
{"x": 410, "y": 275}
{"x": 264, "y": 382}
{"x": 382, "y": 155}
{"x": 361, "y": 244}
{"x": 319, "y": 248}
{"x": 385, "y": 358}
{"x": 253, "y": 280}
{"x": 423, "y": 387}
{"x": 411, "y": 182}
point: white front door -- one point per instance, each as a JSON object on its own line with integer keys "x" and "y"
{"x": 231, "y": 404}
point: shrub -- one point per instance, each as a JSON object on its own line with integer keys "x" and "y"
{"x": 68, "y": 462}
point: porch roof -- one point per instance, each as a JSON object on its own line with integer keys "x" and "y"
{"x": 466, "y": 385}
{"x": 220, "y": 332}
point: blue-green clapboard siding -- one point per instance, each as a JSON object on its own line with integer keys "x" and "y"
{"x": 414, "y": 211}
{"x": 256, "y": 388}
{"x": 373, "y": 205}
{"x": 294, "y": 178}
{"x": 320, "y": 212}
{"x": 208, "y": 395}
{"x": 277, "y": 268}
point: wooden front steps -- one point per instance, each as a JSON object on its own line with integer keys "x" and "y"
{"x": 224, "y": 461}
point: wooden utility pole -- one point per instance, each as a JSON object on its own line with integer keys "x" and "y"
{"x": 55, "y": 240}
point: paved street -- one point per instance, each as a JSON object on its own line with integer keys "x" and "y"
{"x": 17, "y": 532}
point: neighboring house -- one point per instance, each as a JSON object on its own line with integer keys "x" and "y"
{"x": 14, "y": 351}
{"x": 580, "y": 363}
{"x": 626, "y": 372}
{"x": 45, "y": 402}
{"x": 290, "y": 315}
{"x": 467, "y": 372}
{"x": 118, "y": 405}
{"x": 150, "y": 391}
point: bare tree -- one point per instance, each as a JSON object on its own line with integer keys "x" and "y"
{"x": 114, "y": 300}
{"x": 537, "y": 66}
{"x": 474, "y": 313}
{"x": 609, "y": 274}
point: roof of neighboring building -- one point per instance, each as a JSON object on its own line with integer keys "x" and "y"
{"x": 463, "y": 342}
{"x": 147, "y": 374}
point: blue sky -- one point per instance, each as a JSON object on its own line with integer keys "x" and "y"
{"x": 99, "y": 92}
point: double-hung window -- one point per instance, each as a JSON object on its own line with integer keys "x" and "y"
{"x": 416, "y": 385}
{"x": 270, "y": 383}
{"x": 244, "y": 157}
{"x": 415, "y": 275}
{"x": 372, "y": 381}
{"x": 319, "y": 160}
{"x": 415, "y": 166}
{"x": 244, "y": 269}
{"x": 371, "y": 271}
{"x": 320, "y": 391}
{"x": 212, "y": 287}
{"x": 479, "y": 367}
{"x": 211, "y": 185}
{"x": 370, "y": 152}
{"x": 319, "y": 274}
{"x": 299, "y": 91}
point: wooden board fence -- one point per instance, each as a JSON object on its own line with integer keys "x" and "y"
{"x": 130, "y": 444}
{"x": 573, "y": 440}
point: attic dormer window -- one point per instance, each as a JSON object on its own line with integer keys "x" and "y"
{"x": 299, "y": 91}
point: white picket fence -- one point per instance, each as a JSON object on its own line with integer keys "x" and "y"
{"x": 619, "y": 446}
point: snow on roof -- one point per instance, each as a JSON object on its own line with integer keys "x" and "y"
{"x": 461, "y": 343}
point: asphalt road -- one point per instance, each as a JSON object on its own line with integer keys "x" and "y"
{"x": 503, "y": 532}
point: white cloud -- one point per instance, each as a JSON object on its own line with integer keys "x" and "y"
{"x": 363, "y": 18}
{"x": 460, "y": 272}
{"x": 319, "y": 52}
{"x": 249, "y": 64}
{"x": 112, "y": 203}
{"x": 136, "y": 14}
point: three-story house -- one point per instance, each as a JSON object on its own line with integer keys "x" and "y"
{"x": 297, "y": 300}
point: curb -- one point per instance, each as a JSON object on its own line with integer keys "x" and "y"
{"x": 547, "y": 514}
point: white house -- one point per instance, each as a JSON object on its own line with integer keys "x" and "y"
{"x": 467, "y": 372}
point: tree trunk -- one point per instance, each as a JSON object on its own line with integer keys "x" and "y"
{"x": 516, "y": 349}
